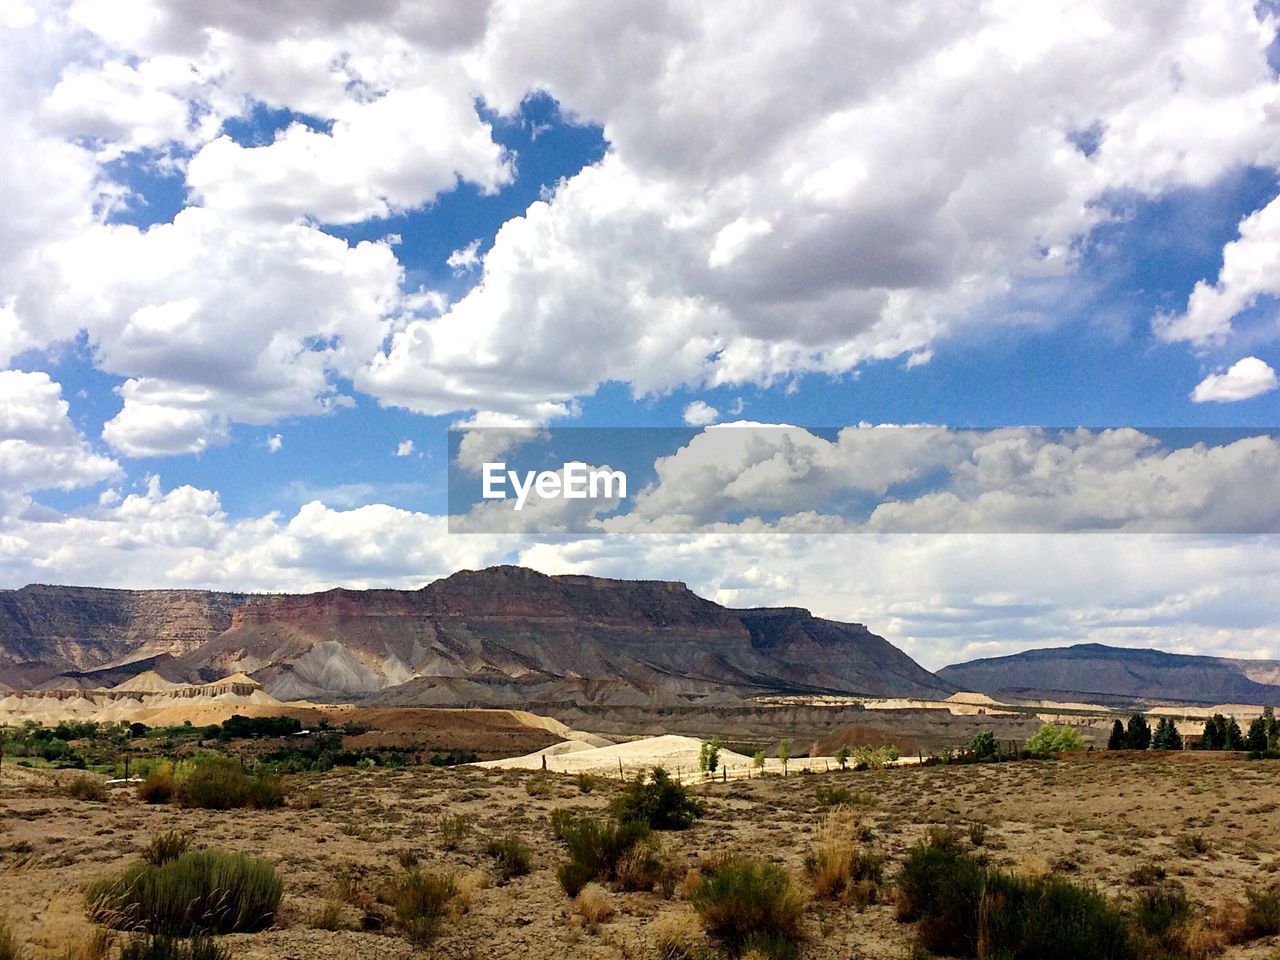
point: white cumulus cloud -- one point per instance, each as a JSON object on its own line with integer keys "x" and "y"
{"x": 1244, "y": 380}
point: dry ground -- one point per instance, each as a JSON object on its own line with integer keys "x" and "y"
{"x": 1095, "y": 817}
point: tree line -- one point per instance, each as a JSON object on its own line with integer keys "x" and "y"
{"x": 1220, "y": 733}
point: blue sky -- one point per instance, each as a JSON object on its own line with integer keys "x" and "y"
{"x": 256, "y": 268}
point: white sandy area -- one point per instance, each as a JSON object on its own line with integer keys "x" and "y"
{"x": 677, "y": 755}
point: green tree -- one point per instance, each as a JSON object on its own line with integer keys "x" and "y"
{"x": 1215, "y": 733}
{"x": 1167, "y": 736}
{"x": 1233, "y": 738}
{"x": 784, "y": 754}
{"x": 842, "y": 756}
{"x": 984, "y": 745}
{"x": 1117, "y": 740}
{"x": 1257, "y": 738}
{"x": 1052, "y": 739}
{"x": 758, "y": 760}
{"x": 709, "y": 755}
{"x": 1138, "y": 736}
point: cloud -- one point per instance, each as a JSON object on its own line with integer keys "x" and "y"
{"x": 863, "y": 212}
{"x": 383, "y": 156}
{"x": 274, "y": 443}
{"x": 1250, "y": 271}
{"x": 747, "y": 478}
{"x": 1244, "y": 380}
{"x": 182, "y": 536}
{"x": 405, "y": 448}
{"x": 465, "y": 258}
{"x": 40, "y": 449}
{"x": 214, "y": 321}
{"x": 699, "y": 414}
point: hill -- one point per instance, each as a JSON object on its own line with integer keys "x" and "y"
{"x": 1097, "y": 673}
{"x": 497, "y": 637}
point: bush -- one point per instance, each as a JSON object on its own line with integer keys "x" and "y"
{"x": 585, "y": 782}
{"x": 750, "y": 904}
{"x": 593, "y": 906}
{"x": 212, "y": 782}
{"x": 166, "y": 948}
{"x": 199, "y": 892}
{"x": 984, "y": 746}
{"x": 454, "y": 828}
{"x": 166, "y": 846}
{"x": 966, "y": 910}
{"x": 1161, "y": 914}
{"x": 595, "y": 848}
{"x": 1262, "y": 915}
{"x": 657, "y": 801}
{"x": 8, "y": 946}
{"x": 1051, "y": 739}
{"x": 641, "y": 867}
{"x": 840, "y": 868}
{"x": 86, "y": 787}
{"x": 157, "y": 786}
{"x": 422, "y": 901}
{"x": 513, "y": 858}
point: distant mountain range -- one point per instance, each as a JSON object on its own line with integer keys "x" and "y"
{"x": 1096, "y": 673}
{"x": 505, "y": 636}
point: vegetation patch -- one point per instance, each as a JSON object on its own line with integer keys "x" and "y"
{"x": 197, "y": 892}
{"x": 751, "y": 905}
{"x": 657, "y": 801}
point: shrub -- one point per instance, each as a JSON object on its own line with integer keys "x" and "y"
{"x": 585, "y": 782}
{"x": 1052, "y": 739}
{"x": 157, "y": 786}
{"x": 595, "y": 848}
{"x": 8, "y": 946}
{"x": 825, "y": 796}
{"x": 593, "y": 906}
{"x": 512, "y": 857}
{"x": 641, "y": 867}
{"x": 747, "y": 903}
{"x": 212, "y": 782}
{"x": 656, "y": 801}
{"x": 86, "y": 787}
{"x": 199, "y": 892}
{"x": 678, "y": 936}
{"x": 422, "y": 901}
{"x": 538, "y": 786}
{"x": 1192, "y": 844}
{"x": 984, "y": 746}
{"x": 840, "y": 868}
{"x": 966, "y": 910}
{"x": 166, "y": 948}
{"x": 1160, "y": 915}
{"x": 166, "y": 846}
{"x": 1262, "y": 915}
{"x": 454, "y": 828}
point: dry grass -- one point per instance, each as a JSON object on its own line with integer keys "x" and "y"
{"x": 592, "y": 906}
{"x": 841, "y": 865}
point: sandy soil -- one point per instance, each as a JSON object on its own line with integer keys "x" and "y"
{"x": 1095, "y": 817}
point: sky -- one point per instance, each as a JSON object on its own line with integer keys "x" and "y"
{"x": 258, "y": 261}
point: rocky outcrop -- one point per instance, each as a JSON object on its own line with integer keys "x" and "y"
{"x": 510, "y": 636}
{"x": 49, "y": 630}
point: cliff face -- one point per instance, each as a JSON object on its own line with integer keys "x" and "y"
{"x": 48, "y": 630}
{"x": 508, "y": 636}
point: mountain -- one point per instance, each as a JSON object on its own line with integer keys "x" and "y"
{"x": 81, "y": 634}
{"x": 494, "y": 637}
{"x": 1098, "y": 673}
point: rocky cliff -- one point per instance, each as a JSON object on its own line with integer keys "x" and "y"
{"x": 504, "y": 636}
{"x": 70, "y": 631}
